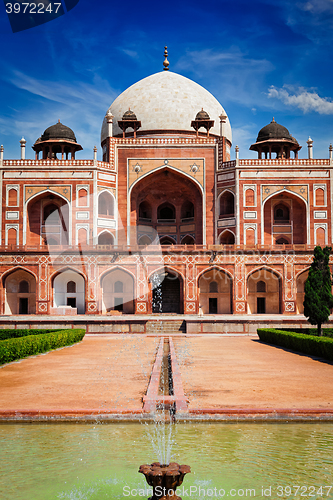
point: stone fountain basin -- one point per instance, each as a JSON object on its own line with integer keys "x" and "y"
{"x": 164, "y": 478}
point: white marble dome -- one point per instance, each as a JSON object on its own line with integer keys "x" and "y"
{"x": 167, "y": 101}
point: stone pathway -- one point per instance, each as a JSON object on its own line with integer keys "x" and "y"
{"x": 110, "y": 374}
{"x": 242, "y": 372}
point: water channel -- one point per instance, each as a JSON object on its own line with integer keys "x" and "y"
{"x": 100, "y": 461}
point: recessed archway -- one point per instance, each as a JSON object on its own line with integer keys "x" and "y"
{"x": 227, "y": 238}
{"x": 188, "y": 240}
{"x": 215, "y": 292}
{"x": 117, "y": 291}
{"x": 105, "y": 238}
{"x": 105, "y": 204}
{"x": 20, "y": 292}
{"x": 167, "y": 292}
{"x": 264, "y": 292}
{"x": 227, "y": 204}
{"x": 168, "y": 198}
{"x": 47, "y": 220}
{"x": 64, "y": 285}
{"x": 285, "y": 217}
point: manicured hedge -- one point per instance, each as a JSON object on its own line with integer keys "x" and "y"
{"x": 327, "y": 332}
{"x": 17, "y": 348}
{"x": 308, "y": 344}
{"x": 12, "y": 333}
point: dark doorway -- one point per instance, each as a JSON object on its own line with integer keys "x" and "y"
{"x": 261, "y": 305}
{"x": 23, "y": 305}
{"x": 166, "y": 297}
{"x": 71, "y": 301}
{"x": 118, "y": 303}
{"x": 212, "y": 305}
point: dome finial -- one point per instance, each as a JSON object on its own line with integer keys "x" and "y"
{"x": 166, "y": 62}
{"x": 273, "y": 121}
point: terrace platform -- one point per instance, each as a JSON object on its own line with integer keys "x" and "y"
{"x": 160, "y": 323}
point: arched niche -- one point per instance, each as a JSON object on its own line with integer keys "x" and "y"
{"x": 168, "y": 197}
{"x": 264, "y": 292}
{"x": 187, "y": 240}
{"x": 105, "y": 204}
{"x": 117, "y": 292}
{"x": 167, "y": 292}
{"x": 47, "y": 220}
{"x": 105, "y": 238}
{"x": 166, "y": 212}
{"x": 215, "y": 292}
{"x": 282, "y": 241}
{"x": 227, "y": 205}
{"x": 144, "y": 240}
{"x": 20, "y": 293}
{"x": 167, "y": 240}
{"x": 61, "y": 294}
{"x": 227, "y": 238}
{"x": 281, "y": 213}
{"x": 285, "y": 217}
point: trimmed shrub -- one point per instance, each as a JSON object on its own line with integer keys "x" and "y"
{"x": 326, "y": 332}
{"x": 307, "y": 344}
{"x": 18, "y": 348}
{"x": 11, "y": 334}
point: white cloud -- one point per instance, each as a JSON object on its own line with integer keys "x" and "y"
{"x": 79, "y": 105}
{"x": 310, "y": 18}
{"x": 230, "y": 75}
{"x": 98, "y": 93}
{"x": 316, "y": 6}
{"x": 305, "y": 99}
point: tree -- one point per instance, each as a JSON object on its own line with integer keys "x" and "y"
{"x": 318, "y": 299}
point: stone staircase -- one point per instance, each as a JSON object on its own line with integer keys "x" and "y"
{"x": 165, "y": 327}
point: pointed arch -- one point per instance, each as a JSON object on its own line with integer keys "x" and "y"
{"x": 157, "y": 199}
{"x": 215, "y": 286}
{"x": 144, "y": 240}
{"x": 226, "y": 204}
{"x": 117, "y": 285}
{"x": 37, "y": 229}
{"x": 19, "y": 299}
{"x": 268, "y": 298}
{"x": 167, "y": 292}
{"x": 295, "y": 226}
{"x": 106, "y": 204}
{"x": 167, "y": 240}
{"x": 187, "y": 239}
{"x": 105, "y": 238}
{"x": 227, "y": 237}
{"x": 61, "y": 294}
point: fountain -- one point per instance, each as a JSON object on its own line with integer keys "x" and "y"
{"x": 164, "y": 479}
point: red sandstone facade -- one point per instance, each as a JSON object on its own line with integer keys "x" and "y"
{"x": 228, "y": 237}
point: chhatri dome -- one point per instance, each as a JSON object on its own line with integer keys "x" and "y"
{"x": 166, "y": 101}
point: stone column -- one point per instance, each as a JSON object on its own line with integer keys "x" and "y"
{"x": 23, "y": 143}
{"x": 310, "y": 148}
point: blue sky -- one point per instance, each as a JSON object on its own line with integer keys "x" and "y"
{"x": 260, "y": 59}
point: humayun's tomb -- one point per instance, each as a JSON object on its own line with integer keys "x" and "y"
{"x": 165, "y": 223}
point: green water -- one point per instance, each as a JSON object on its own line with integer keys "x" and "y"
{"x": 96, "y": 462}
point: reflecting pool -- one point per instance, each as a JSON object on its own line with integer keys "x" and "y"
{"x": 97, "y": 462}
